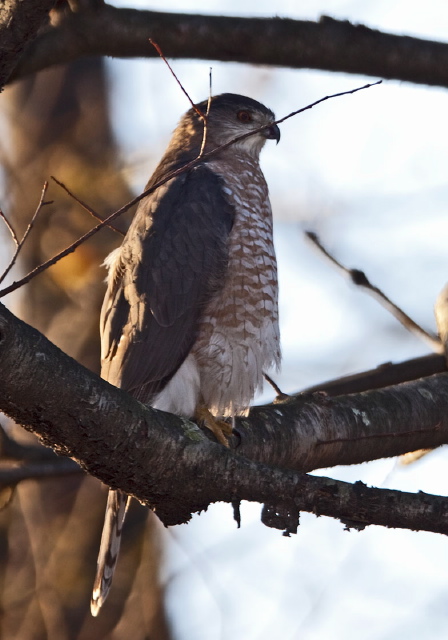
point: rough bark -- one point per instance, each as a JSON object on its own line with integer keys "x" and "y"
{"x": 170, "y": 465}
{"x": 329, "y": 44}
{"x": 20, "y": 20}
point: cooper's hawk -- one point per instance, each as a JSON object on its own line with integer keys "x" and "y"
{"x": 190, "y": 317}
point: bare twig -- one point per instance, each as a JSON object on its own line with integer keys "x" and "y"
{"x": 20, "y": 244}
{"x": 333, "y": 95}
{"x": 360, "y": 279}
{"x": 201, "y": 115}
{"x": 160, "y": 52}
{"x": 173, "y": 174}
{"x": 280, "y": 395}
{"x": 86, "y": 206}
{"x": 205, "y": 119}
{"x": 9, "y": 227}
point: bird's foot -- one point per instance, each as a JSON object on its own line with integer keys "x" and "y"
{"x": 221, "y": 429}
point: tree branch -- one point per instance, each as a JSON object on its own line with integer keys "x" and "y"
{"x": 170, "y": 464}
{"x": 20, "y": 21}
{"x": 328, "y": 44}
{"x": 359, "y": 279}
{"x": 385, "y": 375}
{"x": 12, "y": 475}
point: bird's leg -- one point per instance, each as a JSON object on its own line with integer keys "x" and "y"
{"x": 220, "y": 428}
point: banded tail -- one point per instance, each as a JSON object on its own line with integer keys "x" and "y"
{"x": 117, "y": 504}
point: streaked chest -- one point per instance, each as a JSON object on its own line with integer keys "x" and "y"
{"x": 249, "y": 292}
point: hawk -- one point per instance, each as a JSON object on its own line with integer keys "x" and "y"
{"x": 190, "y": 317}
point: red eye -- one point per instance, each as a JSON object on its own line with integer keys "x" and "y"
{"x": 244, "y": 116}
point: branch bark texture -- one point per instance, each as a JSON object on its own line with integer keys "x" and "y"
{"x": 20, "y": 21}
{"x": 329, "y": 44}
{"x": 169, "y": 464}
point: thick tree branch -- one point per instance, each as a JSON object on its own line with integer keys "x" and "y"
{"x": 20, "y": 21}
{"x": 328, "y": 44}
{"x": 169, "y": 464}
{"x": 385, "y": 375}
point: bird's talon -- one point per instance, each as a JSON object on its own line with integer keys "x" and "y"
{"x": 220, "y": 428}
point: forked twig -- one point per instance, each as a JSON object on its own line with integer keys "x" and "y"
{"x": 32, "y": 274}
{"x": 85, "y": 206}
{"x": 360, "y": 279}
{"x": 20, "y": 244}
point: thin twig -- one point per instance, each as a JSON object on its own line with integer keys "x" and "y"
{"x": 173, "y": 174}
{"x": 9, "y": 227}
{"x": 86, "y": 206}
{"x": 160, "y": 52}
{"x": 360, "y": 279}
{"x": 202, "y": 116}
{"x": 205, "y": 119}
{"x": 20, "y": 244}
{"x": 333, "y": 95}
{"x": 243, "y": 136}
{"x": 274, "y": 385}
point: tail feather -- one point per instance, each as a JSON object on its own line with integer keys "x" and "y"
{"x": 117, "y": 504}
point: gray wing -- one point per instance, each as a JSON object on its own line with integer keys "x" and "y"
{"x": 170, "y": 264}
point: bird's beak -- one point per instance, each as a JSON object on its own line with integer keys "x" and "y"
{"x": 272, "y": 133}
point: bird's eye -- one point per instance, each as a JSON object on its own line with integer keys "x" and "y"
{"x": 244, "y": 116}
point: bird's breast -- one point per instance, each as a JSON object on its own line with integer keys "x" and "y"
{"x": 238, "y": 335}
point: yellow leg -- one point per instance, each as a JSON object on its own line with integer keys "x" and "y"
{"x": 220, "y": 428}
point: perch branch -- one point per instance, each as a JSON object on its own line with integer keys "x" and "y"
{"x": 177, "y": 470}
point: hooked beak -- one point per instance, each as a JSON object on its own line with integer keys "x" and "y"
{"x": 272, "y": 133}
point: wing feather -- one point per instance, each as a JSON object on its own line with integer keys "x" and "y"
{"x": 170, "y": 264}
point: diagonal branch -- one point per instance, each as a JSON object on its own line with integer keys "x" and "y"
{"x": 360, "y": 279}
{"x": 199, "y": 158}
{"x": 85, "y": 206}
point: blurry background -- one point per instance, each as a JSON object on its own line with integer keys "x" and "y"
{"x": 367, "y": 172}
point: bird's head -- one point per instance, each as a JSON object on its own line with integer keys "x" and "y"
{"x": 232, "y": 115}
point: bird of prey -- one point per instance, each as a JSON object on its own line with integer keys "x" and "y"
{"x": 190, "y": 317}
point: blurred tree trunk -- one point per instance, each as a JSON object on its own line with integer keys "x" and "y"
{"x": 58, "y": 123}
